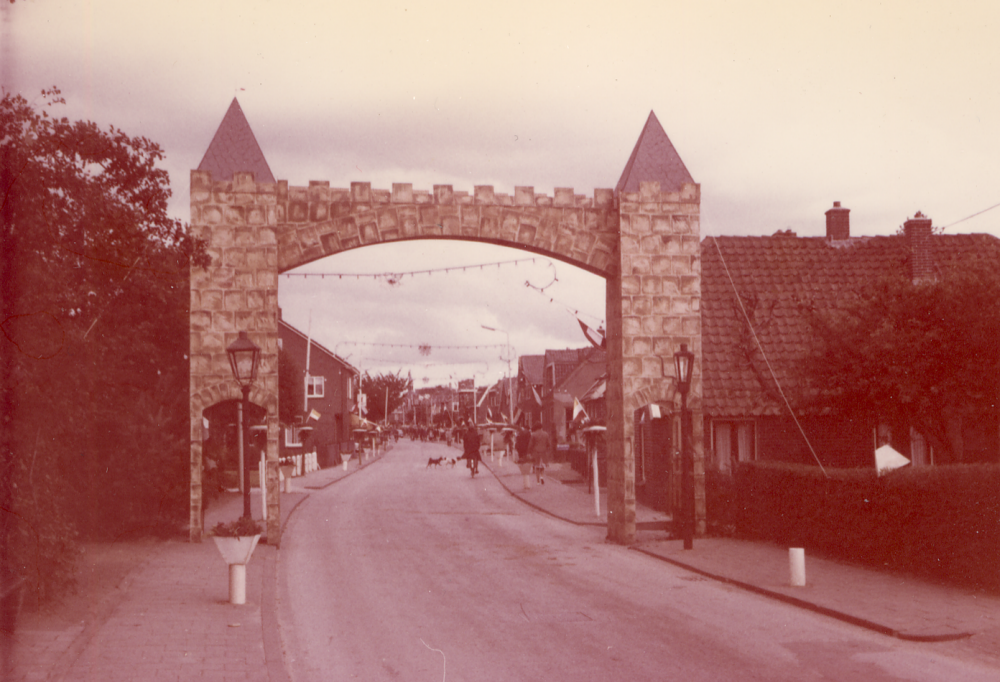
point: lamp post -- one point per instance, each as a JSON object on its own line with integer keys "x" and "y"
{"x": 683, "y": 364}
{"x": 244, "y": 357}
{"x": 510, "y": 392}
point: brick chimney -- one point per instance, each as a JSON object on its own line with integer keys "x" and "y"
{"x": 918, "y": 236}
{"x": 838, "y": 223}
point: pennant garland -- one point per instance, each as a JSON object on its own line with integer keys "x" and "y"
{"x": 395, "y": 277}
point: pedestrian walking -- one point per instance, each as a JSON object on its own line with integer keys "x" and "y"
{"x": 538, "y": 449}
{"x": 471, "y": 442}
{"x": 523, "y": 458}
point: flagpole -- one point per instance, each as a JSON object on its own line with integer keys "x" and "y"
{"x": 305, "y": 394}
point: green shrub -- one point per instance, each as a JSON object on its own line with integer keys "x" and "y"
{"x": 40, "y": 541}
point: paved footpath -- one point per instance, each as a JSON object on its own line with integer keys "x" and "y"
{"x": 897, "y": 605}
{"x": 168, "y": 617}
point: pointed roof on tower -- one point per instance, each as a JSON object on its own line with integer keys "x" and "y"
{"x": 654, "y": 159}
{"x": 234, "y": 148}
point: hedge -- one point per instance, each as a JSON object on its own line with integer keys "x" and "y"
{"x": 941, "y": 522}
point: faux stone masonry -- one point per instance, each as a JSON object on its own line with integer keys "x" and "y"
{"x": 646, "y": 245}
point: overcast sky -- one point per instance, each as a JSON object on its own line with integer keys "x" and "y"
{"x": 777, "y": 108}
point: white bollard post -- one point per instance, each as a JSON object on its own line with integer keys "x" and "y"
{"x": 597, "y": 488}
{"x": 262, "y": 477}
{"x": 237, "y": 583}
{"x": 797, "y": 564}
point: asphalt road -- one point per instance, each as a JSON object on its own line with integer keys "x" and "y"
{"x": 401, "y": 572}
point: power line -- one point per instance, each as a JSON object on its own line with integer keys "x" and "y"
{"x": 971, "y": 216}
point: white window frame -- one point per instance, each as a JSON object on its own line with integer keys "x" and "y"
{"x": 315, "y": 386}
{"x": 736, "y": 428}
{"x": 293, "y": 437}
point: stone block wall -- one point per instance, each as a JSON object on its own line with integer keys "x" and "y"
{"x": 237, "y": 292}
{"x": 653, "y": 306}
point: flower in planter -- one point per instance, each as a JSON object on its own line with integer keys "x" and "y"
{"x": 244, "y": 527}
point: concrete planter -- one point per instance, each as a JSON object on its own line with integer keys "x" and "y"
{"x": 236, "y": 551}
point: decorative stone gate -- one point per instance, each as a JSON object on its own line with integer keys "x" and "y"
{"x": 643, "y": 238}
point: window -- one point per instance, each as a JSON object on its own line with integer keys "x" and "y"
{"x": 315, "y": 386}
{"x": 293, "y": 437}
{"x": 732, "y": 442}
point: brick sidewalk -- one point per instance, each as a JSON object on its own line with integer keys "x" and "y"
{"x": 165, "y": 615}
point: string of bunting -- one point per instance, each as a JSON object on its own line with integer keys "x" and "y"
{"x": 576, "y": 312}
{"x": 422, "y": 347}
{"x": 394, "y": 277}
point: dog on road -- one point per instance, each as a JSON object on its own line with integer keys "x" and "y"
{"x": 434, "y": 462}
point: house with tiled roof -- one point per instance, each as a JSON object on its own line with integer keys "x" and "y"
{"x": 756, "y": 335}
{"x": 557, "y": 405}
{"x": 529, "y": 389}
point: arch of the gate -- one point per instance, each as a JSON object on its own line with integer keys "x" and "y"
{"x": 645, "y": 244}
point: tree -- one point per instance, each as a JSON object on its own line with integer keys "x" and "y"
{"x": 924, "y": 355}
{"x": 94, "y": 303}
{"x": 378, "y": 387}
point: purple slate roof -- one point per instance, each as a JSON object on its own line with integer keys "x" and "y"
{"x": 776, "y": 276}
{"x": 654, "y": 158}
{"x": 234, "y": 148}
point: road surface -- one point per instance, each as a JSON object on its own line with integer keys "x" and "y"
{"x": 403, "y": 572}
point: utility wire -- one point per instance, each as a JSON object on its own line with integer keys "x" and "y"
{"x": 970, "y": 216}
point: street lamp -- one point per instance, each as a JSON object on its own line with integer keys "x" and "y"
{"x": 510, "y": 392}
{"x": 244, "y": 357}
{"x": 683, "y": 364}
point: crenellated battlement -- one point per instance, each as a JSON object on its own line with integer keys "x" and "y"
{"x": 204, "y": 189}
